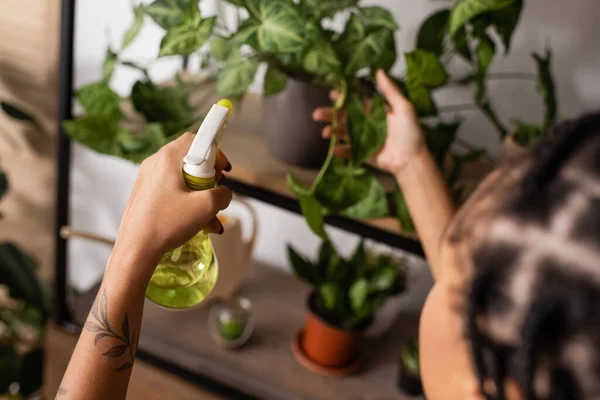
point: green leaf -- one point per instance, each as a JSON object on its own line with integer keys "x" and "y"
{"x": 320, "y": 58}
{"x": 410, "y": 358}
{"x": 18, "y": 114}
{"x": 424, "y": 72}
{"x": 505, "y": 22}
{"x": 360, "y": 47}
{"x": 439, "y": 139}
{"x": 326, "y": 8}
{"x": 426, "y": 69}
{"x": 236, "y": 75}
{"x": 387, "y": 58}
{"x": 367, "y": 132}
{"x": 422, "y": 100}
{"x": 385, "y": 279}
{"x": 3, "y": 184}
{"x": 461, "y": 44}
{"x": 465, "y": 10}
{"x": 96, "y": 132}
{"x": 311, "y": 209}
{"x": 280, "y": 28}
{"x": 433, "y": 31}
{"x": 374, "y": 204}
{"x": 327, "y": 253}
{"x": 342, "y": 186}
{"x": 138, "y": 148}
{"x": 247, "y": 33}
{"x": 546, "y": 88}
{"x": 406, "y": 223}
{"x": 331, "y": 295}
{"x": 100, "y": 100}
{"x": 303, "y": 269}
{"x": 168, "y": 105}
{"x": 172, "y": 13}
{"x": 31, "y": 373}
{"x": 220, "y": 48}
{"x": 379, "y": 17}
{"x": 186, "y": 39}
{"x": 18, "y": 272}
{"x": 275, "y": 81}
{"x": 527, "y": 135}
{"x": 135, "y": 28}
{"x": 9, "y": 367}
{"x": 486, "y": 49}
{"x": 358, "y": 294}
{"x": 108, "y": 68}
{"x": 359, "y": 257}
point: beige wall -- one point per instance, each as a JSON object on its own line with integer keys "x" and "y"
{"x": 29, "y": 31}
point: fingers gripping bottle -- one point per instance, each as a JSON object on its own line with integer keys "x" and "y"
{"x": 187, "y": 274}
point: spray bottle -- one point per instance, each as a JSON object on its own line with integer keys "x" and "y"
{"x": 187, "y": 274}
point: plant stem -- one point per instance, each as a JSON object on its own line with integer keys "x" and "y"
{"x": 339, "y": 103}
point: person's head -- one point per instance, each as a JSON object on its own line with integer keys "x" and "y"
{"x": 528, "y": 242}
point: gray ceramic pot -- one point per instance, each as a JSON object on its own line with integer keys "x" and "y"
{"x": 292, "y": 135}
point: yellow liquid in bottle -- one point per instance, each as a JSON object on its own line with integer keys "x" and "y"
{"x": 187, "y": 274}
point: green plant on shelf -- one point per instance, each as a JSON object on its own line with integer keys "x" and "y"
{"x": 293, "y": 40}
{"x": 350, "y": 291}
{"x": 410, "y": 358}
{"x": 24, "y": 307}
{"x": 166, "y": 110}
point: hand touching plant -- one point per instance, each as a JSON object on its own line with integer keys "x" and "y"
{"x": 404, "y": 135}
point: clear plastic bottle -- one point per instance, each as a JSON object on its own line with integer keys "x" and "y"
{"x": 187, "y": 274}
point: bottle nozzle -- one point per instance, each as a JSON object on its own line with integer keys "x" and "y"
{"x": 200, "y": 159}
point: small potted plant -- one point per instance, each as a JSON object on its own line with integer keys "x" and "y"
{"x": 409, "y": 376}
{"x": 231, "y": 322}
{"x": 347, "y": 294}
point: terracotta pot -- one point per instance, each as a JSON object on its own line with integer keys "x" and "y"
{"x": 326, "y": 344}
{"x": 293, "y": 137}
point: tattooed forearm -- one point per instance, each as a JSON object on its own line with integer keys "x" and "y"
{"x": 120, "y": 344}
{"x": 61, "y": 391}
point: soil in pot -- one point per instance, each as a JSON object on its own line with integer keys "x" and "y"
{"x": 292, "y": 135}
{"x": 325, "y": 343}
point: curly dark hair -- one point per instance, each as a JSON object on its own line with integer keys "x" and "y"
{"x": 533, "y": 239}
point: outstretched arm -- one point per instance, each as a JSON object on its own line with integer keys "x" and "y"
{"x": 161, "y": 215}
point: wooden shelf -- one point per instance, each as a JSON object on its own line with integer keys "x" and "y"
{"x": 265, "y": 367}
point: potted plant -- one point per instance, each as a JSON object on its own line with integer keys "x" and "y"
{"x": 409, "y": 374}
{"x": 347, "y": 294}
{"x": 304, "y": 61}
{"x": 156, "y": 114}
{"x": 24, "y": 311}
{"x": 231, "y": 322}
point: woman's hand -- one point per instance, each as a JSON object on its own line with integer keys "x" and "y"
{"x": 404, "y": 138}
{"x": 162, "y": 212}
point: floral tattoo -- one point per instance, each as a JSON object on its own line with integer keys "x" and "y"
{"x": 123, "y": 344}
